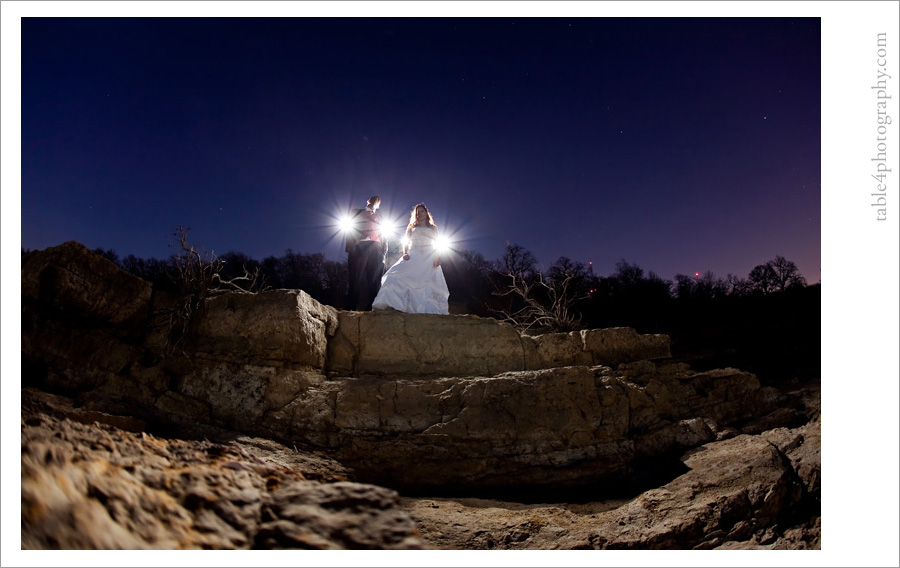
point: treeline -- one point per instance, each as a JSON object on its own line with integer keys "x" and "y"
{"x": 768, "y": 322}
{"x": 323, "y": 279}
{"x": 487, "y": 287}
{"x": 501, "y": 287}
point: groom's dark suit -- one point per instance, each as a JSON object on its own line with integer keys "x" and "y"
{"x": 365, "y": 260}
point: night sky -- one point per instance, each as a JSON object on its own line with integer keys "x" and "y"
{"x": 680, "y": 144}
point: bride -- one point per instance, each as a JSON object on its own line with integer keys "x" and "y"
{"x": 415, "y": 284}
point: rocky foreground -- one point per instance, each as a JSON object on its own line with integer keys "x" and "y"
{"x": 277, "y": 422}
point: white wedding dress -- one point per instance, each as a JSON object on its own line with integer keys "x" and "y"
{"x": 415, "y": 286}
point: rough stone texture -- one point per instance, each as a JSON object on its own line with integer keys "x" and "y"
{"x": 554, "y": 427}
{"x": 82, "y": 317}
{"x": 78, "y": 285}
{"x": 430, "y": 401}
{"x": 392, "y": 343}
{"x": 416, "y": 402}
{"x": 732, "y": 497}
{"x": 803, "y": 447}
{"x": 623, "y": 344}
{"x": 97, "y": 481}
{"x": 93, "y": 486}
{"x": 385, "y": 343}
{"x": 273, "y": 328}
{"x": 556, "y": 350}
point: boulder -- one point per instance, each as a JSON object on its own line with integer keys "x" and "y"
{"x": 92, "y": 486}
{"x": 416, "y": 403}
{"x": 384, "y": 343}
{"x": 393, "y": 343}
{"x": 553, "y": 428}
{"x": 71, "y": 283}
{"x": 733, "y": 494}
{"x": 412, "y": 401}
{"x": 616, "y": 345}
{"x": 275, "y": 328}
{"x": 83, "y": 318}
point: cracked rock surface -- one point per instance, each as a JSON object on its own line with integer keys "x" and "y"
{"x": 274, "y": 421}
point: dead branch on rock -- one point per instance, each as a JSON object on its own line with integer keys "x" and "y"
{"x": 197, "y": 276}
{"x": 545, "y": 307}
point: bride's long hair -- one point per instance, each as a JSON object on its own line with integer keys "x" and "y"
{"x": 413, "y": 221}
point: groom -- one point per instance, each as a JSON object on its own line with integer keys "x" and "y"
{"x": 365, "y": 256}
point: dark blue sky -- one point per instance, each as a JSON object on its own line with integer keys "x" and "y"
{"x": 681, "y": 145}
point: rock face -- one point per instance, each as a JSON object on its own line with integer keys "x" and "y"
{"x": 553, "y": 428}
{"x": 392, "y": 343}
{"x": 96, "y": 486}
{"x": 418, "y": 403}
{"x": 79, "y": 307}
{"x": 733, "y": 496}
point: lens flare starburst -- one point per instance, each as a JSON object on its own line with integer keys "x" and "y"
{"x": 443, "y": 244}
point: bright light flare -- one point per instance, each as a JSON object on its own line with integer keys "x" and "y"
{"x": 345, "y": 223}
{"x": 389, "y": 228}
{"x": 442, "y": 244}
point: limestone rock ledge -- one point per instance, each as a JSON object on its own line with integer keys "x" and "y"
{"x": 733, "y": 495}
{"x": 89, "y": 485}
{"x": 553, "y": 428}
{"x": 92, "y": 480}
{"x": 410, "y": 401}
{"x": 423, "y": 345}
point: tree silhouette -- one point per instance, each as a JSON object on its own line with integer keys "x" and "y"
{"x": 152, "y": 270}
{"x": 576, "y": 273}
{"x": 468, "y": 275}
{"x": 272, "y": 272}
{"x": 323, "y": 279}
{"x": 535, "y": 301}
{"x": 516, "y": 268}
{"x": 518, "y": 262}
{"x": 629, "y": 298}
{"x": 766, "y": 323}
{"x": 195, "y": 274}
{"x": 701, "y": 288}
{"x": 542, "y": 306}
{"x": 737, "y": 286}
{"x": 710, "y": 286}
{"x": 236, "y": 266}
{"x": 762, "y": 278}
{"x": 108, "y": 254}
{"x": 684, "y": 286}
{"x": 627, "y": 276}
{"x": 785, "y": 273}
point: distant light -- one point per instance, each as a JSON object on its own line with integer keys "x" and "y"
{"x": 696, "y": 274}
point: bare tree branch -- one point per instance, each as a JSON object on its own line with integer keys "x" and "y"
{"x": 546, "y": 306}
{"x": 197, "y": 277}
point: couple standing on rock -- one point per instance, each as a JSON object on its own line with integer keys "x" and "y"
{"x": 414, "y": 284}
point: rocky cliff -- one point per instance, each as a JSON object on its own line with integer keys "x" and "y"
{"x": 274, "y": 421}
